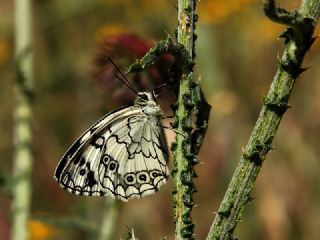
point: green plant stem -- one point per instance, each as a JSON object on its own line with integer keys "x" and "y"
{"x": 109, "y": 220}
{"x": 190, "y": 101}
{"x": 183, "y": 172}
{"x": 298, "y": 39}
{"x": 22, "y": 165}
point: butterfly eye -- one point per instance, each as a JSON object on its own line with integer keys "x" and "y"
{"x": 144, "y": 97}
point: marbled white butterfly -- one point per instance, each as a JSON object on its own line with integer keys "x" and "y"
{"x": 124, "y": 155}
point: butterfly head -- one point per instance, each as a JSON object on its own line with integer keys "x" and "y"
{"x": 147, "y": 101}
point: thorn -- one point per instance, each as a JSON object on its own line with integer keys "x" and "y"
{"x": 313, "y": 39}
{"x": 287, "y": 35}
{"x": 250, "y": 199}
{"x": 279, "y": 61}
{"x": 301, "y": 70}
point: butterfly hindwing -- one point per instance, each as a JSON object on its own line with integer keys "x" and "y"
{"x": 139, "y": 158}
{"x": 124, "y": 155}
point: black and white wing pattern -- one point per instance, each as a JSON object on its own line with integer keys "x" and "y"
{"x": 124, "y": 155}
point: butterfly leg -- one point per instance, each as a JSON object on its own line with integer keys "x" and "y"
{"x": 168, "y": 117}
{"x": 176, "y": 131}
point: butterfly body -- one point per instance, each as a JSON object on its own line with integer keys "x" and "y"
{"x": 124, "y": 155}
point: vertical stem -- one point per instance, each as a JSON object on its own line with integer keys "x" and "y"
{"x": 22, "y": 117}
{"x": 186, "y": 24}
{"x": 109, "y": 220}
{"x": 190, "y": 101}
{"x": 184, "y": 172}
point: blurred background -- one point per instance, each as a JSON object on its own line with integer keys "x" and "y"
{"x": 236, "y": 49}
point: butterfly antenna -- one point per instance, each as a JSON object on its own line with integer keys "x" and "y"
{"x": 158, "y": 87}
{"x": 123, "y": 79}
{"x": 128, "y": 85}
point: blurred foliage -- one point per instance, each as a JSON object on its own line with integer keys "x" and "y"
{"x": 219, "y": 11}
{"x": 4, "y": 52}
{"x": 236, "y": 60}
{"x": 39, "y": 230}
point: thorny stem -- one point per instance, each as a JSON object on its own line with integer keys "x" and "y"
{"x": 190, "y": 101}
{"x": 183, "y": 172}
{"x": 298, "y": 40}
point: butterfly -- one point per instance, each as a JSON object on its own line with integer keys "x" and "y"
{"x": 123, "y": 155}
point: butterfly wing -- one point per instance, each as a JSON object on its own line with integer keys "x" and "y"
{"x": 124, "y": 155}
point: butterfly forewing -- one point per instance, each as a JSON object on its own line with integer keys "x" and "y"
{"x": 123, "y": 155}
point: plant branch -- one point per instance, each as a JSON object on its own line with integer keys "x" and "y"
{"x": 169, "y": 46}
{"x": 298, "y": 40}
